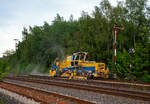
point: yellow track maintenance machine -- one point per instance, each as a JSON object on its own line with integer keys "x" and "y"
{"x": 77, "y": 67}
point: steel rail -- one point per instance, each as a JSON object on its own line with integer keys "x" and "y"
{"x": 109, "y": 91}
{"x": 108, "y": 81}
{"x": 37, "y": 97}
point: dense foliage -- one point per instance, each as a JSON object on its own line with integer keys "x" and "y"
{"x": 93, "y": 34}
{"x": 4, "y": 68}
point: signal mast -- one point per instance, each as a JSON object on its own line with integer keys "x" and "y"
{"x": 116, "y": 28}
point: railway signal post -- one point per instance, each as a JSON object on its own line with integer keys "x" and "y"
{"x": 116, "y": 28}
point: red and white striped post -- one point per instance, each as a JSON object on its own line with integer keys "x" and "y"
{"x": 116, "y": 28}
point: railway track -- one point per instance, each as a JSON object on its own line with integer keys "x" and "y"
{"x": 142, "y": 87}
{"x": 42, "y": 96}
{"x": 113, "y": 83}
{"x": 94, "y": 81}
{"x": 116, "y": 92}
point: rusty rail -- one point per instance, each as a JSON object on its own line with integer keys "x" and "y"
{"x": 122, "y": 82}
{"x": 114, "y": 83}
{"x": 42, "y": 96}
{"x": 110, "y": 91}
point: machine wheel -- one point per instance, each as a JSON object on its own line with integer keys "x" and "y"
{"x": 90, "y": 76}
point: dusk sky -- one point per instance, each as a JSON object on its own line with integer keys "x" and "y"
{"x": 16, "y": 14}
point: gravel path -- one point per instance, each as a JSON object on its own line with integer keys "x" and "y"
{"x": 85, "y": 95}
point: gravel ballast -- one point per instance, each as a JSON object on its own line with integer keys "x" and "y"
{"x": 85, "y": 95}
{"x": 103, "y": 85}
{"x": 9, "y": 97}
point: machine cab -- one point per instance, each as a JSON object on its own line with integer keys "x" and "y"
{"x": 78, "y": 57}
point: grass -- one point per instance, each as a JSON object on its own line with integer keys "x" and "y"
{"x": 1, "y": 101}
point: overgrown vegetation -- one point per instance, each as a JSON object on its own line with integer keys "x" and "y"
{"x": 4, "y": 68}
{"x": 93, "y": 34}
{"x": 1, "y": 102}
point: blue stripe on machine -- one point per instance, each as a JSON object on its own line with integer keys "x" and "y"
{"x": 84, "y": 68}
{"x": 89, "y": 68}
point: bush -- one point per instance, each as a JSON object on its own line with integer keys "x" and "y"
{"x": 4, "y": 68}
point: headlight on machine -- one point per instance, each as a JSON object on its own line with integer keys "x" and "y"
{"x": 89, "y": 71}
